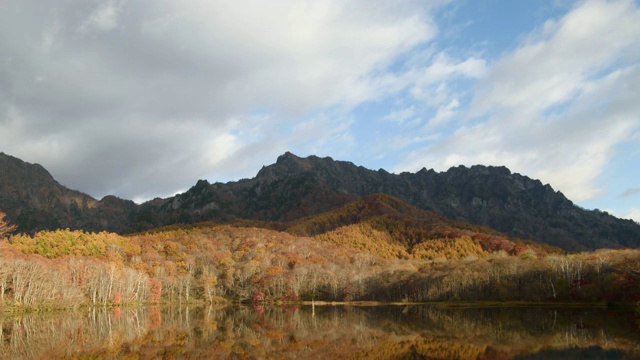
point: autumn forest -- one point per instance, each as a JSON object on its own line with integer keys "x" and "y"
{"x": 371, "y": 250}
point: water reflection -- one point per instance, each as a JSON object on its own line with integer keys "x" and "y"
{"x": 327, "y": 332}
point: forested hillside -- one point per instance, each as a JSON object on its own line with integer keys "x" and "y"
{"x": 294, "y": 189}
{"x": 310, "y": 229}
{"x": 220, "y": 263}
{"x": 33, "y": 200}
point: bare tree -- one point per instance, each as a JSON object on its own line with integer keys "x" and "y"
{"x": 5, "y": 227}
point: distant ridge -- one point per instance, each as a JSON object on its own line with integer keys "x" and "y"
{"x": 294, "y": 188}
{"x": 34, "y": 201}
{"x": 490, "y": 196}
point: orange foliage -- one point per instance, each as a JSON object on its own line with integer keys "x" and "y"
{"x": 375, "y": 258}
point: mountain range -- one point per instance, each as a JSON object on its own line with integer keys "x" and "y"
{"x": 294, "y": 191}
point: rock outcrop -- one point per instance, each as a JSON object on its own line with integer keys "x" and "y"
{"x": 295, "y": 188}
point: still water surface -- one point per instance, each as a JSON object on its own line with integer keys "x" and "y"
{"x": 325, "y": 332}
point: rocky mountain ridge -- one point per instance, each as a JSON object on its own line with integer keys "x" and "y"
{"x": 34, "y": 200}
{"x": 294, "y": 188}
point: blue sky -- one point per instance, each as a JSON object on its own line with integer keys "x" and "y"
{"x": 142, "y": 98}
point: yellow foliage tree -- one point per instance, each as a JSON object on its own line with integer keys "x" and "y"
{"x": 5, "y": 227}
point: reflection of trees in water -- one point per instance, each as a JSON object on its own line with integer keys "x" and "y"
{"x": 328, "y": 332}
{"x": 44, "y": 336}
{"x": 514, "y": 330}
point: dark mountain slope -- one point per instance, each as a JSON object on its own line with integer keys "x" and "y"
{"x": 513, "y": 204}
{"x": 488, "y": 196}
{"x": 379, "y": 207}
{"x": 380, "y": 222}
{"x": 282, "y": 198}
{"x": 34, "y": 201}
{"x": 295, "y": 188}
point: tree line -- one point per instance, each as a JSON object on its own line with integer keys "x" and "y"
{"x": 218, "y": 263}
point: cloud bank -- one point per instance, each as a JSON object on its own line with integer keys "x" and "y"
{"x": 556, "y": 107}
{"x": 142, "y": 98}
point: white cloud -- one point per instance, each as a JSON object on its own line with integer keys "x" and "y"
{"x": 49, "y": 36}
{"x": 553, "y": 66}
{"x": 431, "y": 82}
{"x": 285, "y": 53}
{"x": 128, "y": 92}
{"x": 401, "y": 116}
{"x": 633, "y": 214}
{"x": 115, "y": 96}
{"x": 104, "y": 18}
{"x": 631, "y": 192}
{"x": 556, "y": 107}
{"x": 442, "y": 67}
{"x": 443, "y": 115}
{"x": 323, "y": 135}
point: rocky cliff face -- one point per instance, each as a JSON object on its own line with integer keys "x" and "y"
{"x": 511, "y": 203}
{"x": 34, "y": 201}
{"x": 294, "y": 188}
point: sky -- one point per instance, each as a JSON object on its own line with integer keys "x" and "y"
{"x": 140, "y": 99}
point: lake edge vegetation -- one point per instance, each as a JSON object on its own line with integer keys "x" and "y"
{"x": 213, "y": 263}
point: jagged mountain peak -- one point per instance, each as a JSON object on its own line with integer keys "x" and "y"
{"x": 18, "y": 169}
{"x": 289, "y": 164}
{"x": 34, "y": 200}
{"x": 294, "y": 188}
{"x": 295, "y": 164}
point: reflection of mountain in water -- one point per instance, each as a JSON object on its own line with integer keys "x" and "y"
{"x": 327, "y": 332}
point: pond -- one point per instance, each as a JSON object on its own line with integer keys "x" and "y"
{"x": 324, "y": 332}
